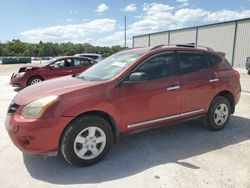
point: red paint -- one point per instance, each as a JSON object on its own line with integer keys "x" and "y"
{"x": 126, "y": 104}
{"x": 47, "y": 71}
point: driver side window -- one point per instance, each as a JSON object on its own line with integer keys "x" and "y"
{"x": 59, "y": 64}
{"x": 63, "y": 63}
{"x": 159, "y": 66}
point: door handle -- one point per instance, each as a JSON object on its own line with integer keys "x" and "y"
{"x": 69, "y": 71}
{"x": 172, "y": 88}
{"x": 214, "y": 80}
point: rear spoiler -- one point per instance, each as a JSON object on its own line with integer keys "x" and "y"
{"x": 222, "y": 54}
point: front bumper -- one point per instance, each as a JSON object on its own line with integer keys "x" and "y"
{"x": 17, "y": 81}
{"x": 39, "y": 136}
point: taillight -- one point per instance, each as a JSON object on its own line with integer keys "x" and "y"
{"x": 237, "y": 74}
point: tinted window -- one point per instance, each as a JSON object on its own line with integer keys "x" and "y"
{"x": 213, "y": 60}
{"x": 191, "y": 62}
{"x": 159, "y": 66}
{"x": 81, "y": 62}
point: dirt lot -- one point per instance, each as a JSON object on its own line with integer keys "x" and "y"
{"x": 184, "y": 155}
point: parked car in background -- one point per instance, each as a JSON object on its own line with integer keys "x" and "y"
{"x": 96, "y": 57}
{"x": 34, "y": 73}
{"x": 131, "y": 90}
{"x": 248, "y": 65}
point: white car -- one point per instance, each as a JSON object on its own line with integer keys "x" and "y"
{"x": 96, "y": 57}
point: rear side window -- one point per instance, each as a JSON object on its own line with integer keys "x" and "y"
{"x": 81, "y": 62}
{"x": 212, "y": 60}
{"x": 159, "y": 66}
{"x": 191, "y": 62}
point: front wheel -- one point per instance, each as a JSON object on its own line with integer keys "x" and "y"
{"x": 219, "y": 113}
{"x": 34, "y": 80}
{"x": 86, "y": 140}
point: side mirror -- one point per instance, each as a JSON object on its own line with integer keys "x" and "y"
{"x": 136, "y": 78}
{"x": 54, "y": 66}
{"x": 51, "y": 66}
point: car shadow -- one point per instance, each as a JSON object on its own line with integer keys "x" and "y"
{"x": 141, "y": 151}
{"x": 17, "y": 89}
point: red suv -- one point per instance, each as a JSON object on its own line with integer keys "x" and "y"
{"x": 81, "y": 116}
{"x": 31, "y": 74}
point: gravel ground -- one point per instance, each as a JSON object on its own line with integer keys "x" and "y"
{"x": 184, "y": 155}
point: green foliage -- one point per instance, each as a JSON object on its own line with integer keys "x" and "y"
{"x": 18, "y": 48}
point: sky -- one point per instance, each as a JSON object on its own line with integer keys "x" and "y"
{"x": 102, "y": 22}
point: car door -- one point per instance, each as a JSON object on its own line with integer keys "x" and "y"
{"x": 156, "y": 100}
{"x": 197, "y": 82}
{"x": 80, "y": 65}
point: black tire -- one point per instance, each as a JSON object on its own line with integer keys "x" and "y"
{"x": 67, "y": 144}
{"x": 248, "y": 72}
{"x": 211, "y": 116}
{"x": 34, "y": 78}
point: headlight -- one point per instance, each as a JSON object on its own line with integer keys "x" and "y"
{"x": 20, "y": 74}
{"x": 36, "y": 108}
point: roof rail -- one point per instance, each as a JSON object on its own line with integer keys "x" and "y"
{"x": 158, "y": 46}
{"x": 183, "y": 45}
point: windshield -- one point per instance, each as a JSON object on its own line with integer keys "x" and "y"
{"x": 109, "y": 67}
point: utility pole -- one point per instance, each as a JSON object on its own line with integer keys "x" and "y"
{"x": 125, "y": 32}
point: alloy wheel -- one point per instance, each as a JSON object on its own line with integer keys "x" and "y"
{"x": 89, "y": 143}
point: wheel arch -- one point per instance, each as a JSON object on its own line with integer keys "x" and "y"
{"x": 104, "y": 115}
{"x": 32, "y": 76}
{"x": 229, "y": 96}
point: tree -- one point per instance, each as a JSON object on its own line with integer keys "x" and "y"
{"x": 18, "y": 48}
{"x": 1, "y": 49}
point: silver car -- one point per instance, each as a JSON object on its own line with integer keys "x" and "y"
{"x": 96, "y": 57}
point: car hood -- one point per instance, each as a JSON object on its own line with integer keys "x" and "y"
{"x": 33, "y": 66}
{"x": 57, "y": 86}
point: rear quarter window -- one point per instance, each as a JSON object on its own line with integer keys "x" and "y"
{"x": 212, "y": 60}
{"x": 191, "y": 62}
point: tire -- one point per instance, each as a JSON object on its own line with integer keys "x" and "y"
{"x": 219, "y": 113}
{"x": 82, "y": 149}
{"x": 34, "y": 80}
{"x": 248, "y": 72}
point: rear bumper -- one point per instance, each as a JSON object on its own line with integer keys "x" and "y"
{"x": 40, "y": 136}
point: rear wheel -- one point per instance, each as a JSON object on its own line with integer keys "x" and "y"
{"x": 34, "y": 80}
{"x": 248, "y": 71}
{"x": 219, "y": 113}
{"x": 86, "y": 140}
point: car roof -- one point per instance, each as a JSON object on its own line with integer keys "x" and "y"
{"x": 163, "y": 48}
{"x": 92, "y": 54}
{"x": 78, "y": 57}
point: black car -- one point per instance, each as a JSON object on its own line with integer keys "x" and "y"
{"x": 248, "y": 65}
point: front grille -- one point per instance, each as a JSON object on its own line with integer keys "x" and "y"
{"x": 22, "y": 69}
{"x": 12, "y": 108}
